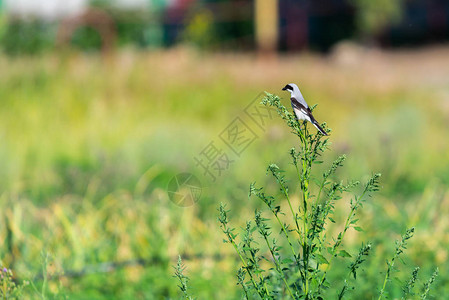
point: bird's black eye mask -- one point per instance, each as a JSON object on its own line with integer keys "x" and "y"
{"x": 287, "y": 88}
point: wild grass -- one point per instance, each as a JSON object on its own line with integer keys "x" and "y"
{"x": 89, "y": 144}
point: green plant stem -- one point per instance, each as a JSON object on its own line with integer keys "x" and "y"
{"x": 385, "y": 280}
{"x": 305, "y": 194}
{"x": 298, "y": 263}
{"x": 291, "y": 209}
{"x": 245, "y": 266}
{"x": 321, "y": 188}
{"x": 399, "y": 249}
{"x": 341, "y": 236}
{"x": 245, "y": 289}
{"x": 278, "y": 266}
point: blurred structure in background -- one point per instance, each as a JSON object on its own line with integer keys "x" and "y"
{"x": 97, "y": 19}
{"x": 315, "y": 24}
{"x": 29, "y": 26}
{"x": 421, "y": 22}
{"x": 266, "y": 15}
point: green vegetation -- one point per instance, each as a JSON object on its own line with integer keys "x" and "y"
{"x": 8, "y": 288}
{"x": 88, "y": 145}
{"x": 295, "y": 264}
{"x": 374, "y": 16}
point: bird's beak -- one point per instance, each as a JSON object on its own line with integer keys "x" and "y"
{"x": 285, "y": 88}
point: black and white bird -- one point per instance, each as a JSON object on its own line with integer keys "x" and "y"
{"x": 300, "y": 107}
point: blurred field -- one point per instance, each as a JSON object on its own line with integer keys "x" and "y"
{"x": 89, "y": 143}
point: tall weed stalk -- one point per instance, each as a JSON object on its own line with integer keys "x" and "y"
{"x": 299, "y": 270}
{"x": 288, "y": 250}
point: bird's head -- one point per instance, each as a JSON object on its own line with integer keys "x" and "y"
{"x": 291, "y": 87}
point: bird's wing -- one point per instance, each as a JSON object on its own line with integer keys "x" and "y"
{"x": 301, "y": 100}
{"x": 299, "y": 106}
{"x": 306, "y": 111}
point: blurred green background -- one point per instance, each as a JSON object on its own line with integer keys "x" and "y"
{"x": 90, "y": 139}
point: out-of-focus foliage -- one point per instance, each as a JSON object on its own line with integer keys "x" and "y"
{"x": 26, "y": 37}
{"x": 88, "y": 146}
{"x": 375, "y": 15}
{"x": 34, "y": 36}
{"x": 154, "y": 26}
{"x": 199, "y": 30}
{"x": 86, "y": 38}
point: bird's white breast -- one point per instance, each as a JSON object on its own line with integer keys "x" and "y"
{"x": 300, "y": 115}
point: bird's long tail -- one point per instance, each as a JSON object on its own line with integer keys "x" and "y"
{"x": 317, "y": 125}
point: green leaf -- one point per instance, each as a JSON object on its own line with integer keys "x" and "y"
{"x": 397, "y": 281}
{"x": 358, "y": 228}
{"x": 344, "y": 253}
{"x": 326, "y": 284}
{"x": 286, "y": 261}
{"x": 321, "y": 259}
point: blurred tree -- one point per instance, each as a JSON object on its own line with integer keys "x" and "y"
{"x": 199, "y": 29}
{"x": 233, "y": 22}
{"x": 26, "y": 37}
{"x": 86, "y": 38}
{"x": 92, "y": 30}
{"x": 139, "y": 26}
{"x": 373, "y": 16}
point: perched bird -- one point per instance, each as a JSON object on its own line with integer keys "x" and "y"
{"x": 300, "y": 107}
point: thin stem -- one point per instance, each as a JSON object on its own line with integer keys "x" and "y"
{"x": 321, "y": 188}
{"x": 305, "y": 194}
{"x": 400, "y": 246}
{"x": 245, "y": 266}
{"x": 298, "y": 263}
{"x": 278, "y": 267}
{"x": 291, "y": 209}
{"x": 241, "y": 281}
{"x": 341, "y": 236}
